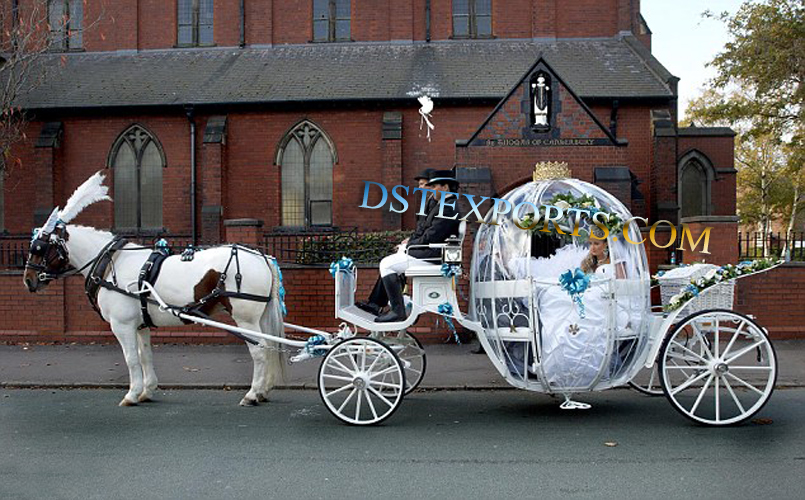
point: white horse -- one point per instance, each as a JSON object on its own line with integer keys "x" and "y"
{"x": 59, "y": 249}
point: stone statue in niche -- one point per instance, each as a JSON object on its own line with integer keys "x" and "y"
{"x": 540, "y": 99}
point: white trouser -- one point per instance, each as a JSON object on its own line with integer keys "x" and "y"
{"x": 399, "y": 262}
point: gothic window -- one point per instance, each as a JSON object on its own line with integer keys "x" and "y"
{"x": 65, "y": 19}
{"x": 695, "y": 183}
{"x": 472, "y": 18}
{"x": 195, "y": 26}
{"x": 137, "y": 160}
{"x": 331, "y": 20}
{"x": 306, "y": 158}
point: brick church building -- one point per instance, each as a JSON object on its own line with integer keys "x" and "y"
{"x": 218, "y": 119}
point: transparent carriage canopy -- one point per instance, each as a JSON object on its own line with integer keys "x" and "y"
{"x": 540, "y": 334}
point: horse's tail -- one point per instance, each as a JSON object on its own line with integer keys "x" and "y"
{"x": 273, "y": 324}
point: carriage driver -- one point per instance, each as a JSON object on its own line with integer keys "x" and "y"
{"x": 431, "y": 229}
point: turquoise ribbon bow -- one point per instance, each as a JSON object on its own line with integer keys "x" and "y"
{"x": 344, "y": 264}
{"x": 575, "y": 283}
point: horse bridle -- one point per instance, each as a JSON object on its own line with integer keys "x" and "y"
{"x": 53, "y": 251}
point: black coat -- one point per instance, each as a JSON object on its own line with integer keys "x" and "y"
{"x": 434, "y": 229}
{"x": 422, "y": 219}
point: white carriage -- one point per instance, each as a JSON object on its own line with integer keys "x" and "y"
{"x": 715, "y": 366}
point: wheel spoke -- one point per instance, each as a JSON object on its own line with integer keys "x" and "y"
{"x": 383, "y": 372}
{"x": 744, "y": 383}
{"x": 697, "y": 356}
{"x": 734, "y": 397}
{"x": 701, "y": 395}
{"x": 341, "y": 366}
{"x": 718, "y": 396}
{"x": 757, "y": 368}
{"x": 337, "y": 377}
{"x": 734, "y": 337}
{"x": 349, "y": 356}
{"x": 344, "y": 403}
{"x": 371, "y": 405}
{"x": 337, "y": 365}
{"x": 358, "y": 407}
{"x": 690, "y": 367}
{"x": 689, "y": 383}
{"x": 744, "y": 351}
{"x": 702, "y": 338}
{"x": 384, "y": 384}
{"x": 380, "y": 396}
{"x": 340, "y": 389}
{"x": 377, "y": 358}
{"x": 716, "y": 339}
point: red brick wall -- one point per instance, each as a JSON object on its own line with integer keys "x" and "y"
{"x": 721, "y": 152}
{"x": 775, "y": 298}
{"x": 62, "y": 313}
{"x": 151, "y": 24}
{"x": 723, "y": 243}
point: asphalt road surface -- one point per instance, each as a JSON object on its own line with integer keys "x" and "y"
{"x": 466, "y": 444}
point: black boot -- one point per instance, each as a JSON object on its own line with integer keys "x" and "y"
{"x": 394, "y": 292}
{"x": 377, "y": 299}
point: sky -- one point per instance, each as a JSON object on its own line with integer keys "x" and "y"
{"x": 684, "y": 42}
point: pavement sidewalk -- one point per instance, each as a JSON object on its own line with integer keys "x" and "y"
{"x": 218, "y": 366}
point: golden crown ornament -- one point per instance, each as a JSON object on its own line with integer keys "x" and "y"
{"x": 546, "y": 170}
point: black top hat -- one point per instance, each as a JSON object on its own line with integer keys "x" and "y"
{"x": 425, "y": 174}
{"x": 443, "y": 177}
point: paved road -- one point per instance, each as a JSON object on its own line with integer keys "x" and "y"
{"x": 464, "y": 444}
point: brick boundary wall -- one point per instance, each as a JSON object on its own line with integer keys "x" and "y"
{"x": 61, "y": 312}
{"x": 776, "y": 299}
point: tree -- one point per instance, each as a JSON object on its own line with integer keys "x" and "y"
{"x": 758, "y": 91}
{"x": 24, "y": 37}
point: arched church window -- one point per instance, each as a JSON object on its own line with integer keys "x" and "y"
{"x": 694, "y": 189}
{"x": 137, "y": 160}
{"x": 306, "y": 158}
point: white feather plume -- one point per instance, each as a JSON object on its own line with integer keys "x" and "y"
{"x": 86, "y": 194}
{"x": 50, "y": 223}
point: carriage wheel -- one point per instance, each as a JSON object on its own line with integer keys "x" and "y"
{"x": 361, "y": 381}
{"x": 648, "y": 381}
{"x": 409, "y": 349}
{"x": 718, "y": 367}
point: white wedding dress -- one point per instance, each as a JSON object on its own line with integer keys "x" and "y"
{"x": 574, "y": 347}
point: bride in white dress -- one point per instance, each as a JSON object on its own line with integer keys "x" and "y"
{"x": 574, "y": 342}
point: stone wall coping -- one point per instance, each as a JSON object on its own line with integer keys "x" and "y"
{"x": 243, "y": 223}
{"x": 710, "y": 219}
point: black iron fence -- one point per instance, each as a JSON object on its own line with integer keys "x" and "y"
{"x": 753, "y": 245}
{"x": 323, "y": 247}
{"x": 14, "y": 251}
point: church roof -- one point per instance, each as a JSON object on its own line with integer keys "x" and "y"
{"x": 617, "y": 67}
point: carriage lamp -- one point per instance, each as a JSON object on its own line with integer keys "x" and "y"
{"x": 451, "y": 252}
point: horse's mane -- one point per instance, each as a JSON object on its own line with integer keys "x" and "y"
{"x": 91, "y": 191}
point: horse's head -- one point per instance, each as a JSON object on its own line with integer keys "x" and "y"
{"x": 47, "y": 258}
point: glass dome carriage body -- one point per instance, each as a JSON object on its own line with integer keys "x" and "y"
{"x": 535, "y": 333}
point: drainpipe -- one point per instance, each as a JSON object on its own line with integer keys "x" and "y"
{"x": 242, "y": 23}
{"x": 190, "y": 112}
{"x": 427, "y": 20}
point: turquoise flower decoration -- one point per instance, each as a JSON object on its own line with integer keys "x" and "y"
{"x": 575, "y": 283}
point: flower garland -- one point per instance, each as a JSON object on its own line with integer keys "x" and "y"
{"x": 586, "y": 202}
{"x": 446, "y": 310}
{"x": 714, "y": 277}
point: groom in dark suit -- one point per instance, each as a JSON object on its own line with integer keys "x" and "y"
{"x": 430, "y": 229}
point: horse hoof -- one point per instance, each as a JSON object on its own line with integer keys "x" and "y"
{"x": 261, "y": 398}
{"x": 126, "y": 402}
{"x": 144, "y": 398}
{"x": 248, "y": 402}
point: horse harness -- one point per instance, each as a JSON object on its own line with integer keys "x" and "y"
{"x": 149, "y": 273}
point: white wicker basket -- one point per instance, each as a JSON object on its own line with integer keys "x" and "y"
{"x": 718, "y": 296}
